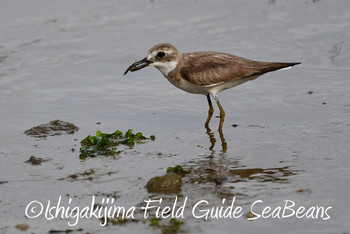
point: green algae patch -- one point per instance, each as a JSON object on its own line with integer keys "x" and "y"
{"x": 178, "y": 169}
{"x": 173, "y": 227}
{"x": 106, "y": 144}
{"x": 154, "y": 222}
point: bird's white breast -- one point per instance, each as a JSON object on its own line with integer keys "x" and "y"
{"x": 209, "y": 89}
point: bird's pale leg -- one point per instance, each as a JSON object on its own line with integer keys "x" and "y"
{"x": 222, "y": 112}
{"x": 210, "y": 112}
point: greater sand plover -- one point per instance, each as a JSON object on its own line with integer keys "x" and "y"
{"x": 205, "y": 72}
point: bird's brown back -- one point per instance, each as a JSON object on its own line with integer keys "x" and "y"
{"x": 208, "y": 67}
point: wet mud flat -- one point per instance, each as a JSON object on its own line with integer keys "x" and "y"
{"x": 89, "y": 144}
{"x": 203, "y": 189}
{"x": 167, "y": 206}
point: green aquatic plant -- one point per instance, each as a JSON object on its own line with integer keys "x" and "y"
{"x": 173, "y": 227}
{"x": 178, "y": 169}
{"x": 154, "y": 222}
{"x": 106, "y": 144}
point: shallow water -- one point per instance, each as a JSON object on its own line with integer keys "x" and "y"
{"x": 65, "y": 61}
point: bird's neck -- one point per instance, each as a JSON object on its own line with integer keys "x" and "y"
{"x": 169, "y": 67}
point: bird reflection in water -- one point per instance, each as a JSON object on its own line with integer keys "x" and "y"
{"x": 212, "y": 140}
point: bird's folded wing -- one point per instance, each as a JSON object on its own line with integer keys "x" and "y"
{"x": 208, "y": 68}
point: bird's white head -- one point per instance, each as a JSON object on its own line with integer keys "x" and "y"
{"x": 164, "y": 57}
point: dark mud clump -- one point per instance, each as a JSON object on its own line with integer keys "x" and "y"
{"x": 250, "y": 215}
{"x": 35, "y": 161}
{"x": 66, "y": 231}
{"x": 2, "y": 58}
{"x": 22, "y": 227}
{"x": 86, "y": 175}
{"x": 54, "y": 128}
{"x": 169, "y": 183}
{"x": 90, "y": 175}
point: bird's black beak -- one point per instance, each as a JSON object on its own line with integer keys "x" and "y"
{"x": 138, "y": 65}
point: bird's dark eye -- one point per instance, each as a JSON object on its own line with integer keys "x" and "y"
{"x": 160, "y": 54}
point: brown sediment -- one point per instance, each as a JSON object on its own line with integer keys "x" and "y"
{"x": 53, "y": 128}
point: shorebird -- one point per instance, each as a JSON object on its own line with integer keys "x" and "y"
{"x": 205, "y": 72}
